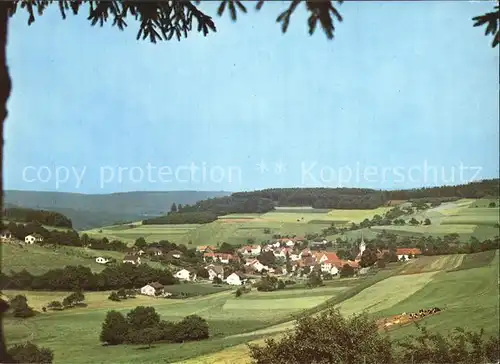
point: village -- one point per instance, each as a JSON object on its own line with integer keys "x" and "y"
{"x": 248, "y": 264}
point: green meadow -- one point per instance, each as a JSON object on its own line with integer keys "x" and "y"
{"x": 37, "y": 259}
{"x": 465, "y": 288}
{"x": 73, "y": 334}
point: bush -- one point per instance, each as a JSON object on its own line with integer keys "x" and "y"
{"x": 114, "y": 297}
{"x": 281, "y": 284}
{"x": 20, "y": 308}
{"x": 238, "y": 293}
{"x": 30, "y": 353}
{"x": 55, "y": 305}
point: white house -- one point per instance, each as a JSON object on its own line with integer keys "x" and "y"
{"x": 294, "y": 257}
{"x": 256, "y": 265}
{"x": 329, "y": 267}
{"x": 185, "y": 275}
{"x": 35, "y": 238}
{"x": 5, "y": 236}
{"x": 236, "y": 279}
{"x": 290, "y": 243}
{"x": 255, "y": 249}
{"x": 152, "y": 289}
{"x": 132, "y": 259}
{"x": 102, "y": 260}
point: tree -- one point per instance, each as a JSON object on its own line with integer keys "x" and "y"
{"x": 314, "y": 280}
{"x": 281, "y": 284}
{"x": 266, "y": 258}
{"x": 368, "y": 258}
{"x": 492, "y": 204}
{"x": 202, "y": 272}
{"x": 346, "y": 271}
{"x": 427, "y": 221}
{"x": 114, "y": 297}
{"x": 192, "y": 327}
{"x": 142, "y": 317}
{"x": 114, "y": 328}
{"x": 20, "y": 308}
{"x": 217, "y": 280}
{"x": 327, "y": 338}
{"x": 226, "y": 248}
{"x": 459, "y": 346}
{"x": 414, "y": 221}
{"x": 173, "y": 208}
{"x": 238, "y": 293}
{"x": 31, "y": 353}
{"x": 145, "y": 336}
{"x": 140, "y": 243}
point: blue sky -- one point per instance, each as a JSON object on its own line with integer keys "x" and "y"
{"x": 402, "y": 85}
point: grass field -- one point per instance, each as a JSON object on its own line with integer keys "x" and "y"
{"x": 357, "y": 215}
{"x": 450, "y": 217}
{"x": 37, "y": 260}
{"x": 434, "y": 263}
{"x": 468, "y": 297}
{"x": 73, "y": 334}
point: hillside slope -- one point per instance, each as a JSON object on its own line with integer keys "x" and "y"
{"x": 89, "y": 211}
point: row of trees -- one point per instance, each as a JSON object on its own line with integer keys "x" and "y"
{"x": 142, "y": 325}
{"x": 73, "y": 278}
{"x": 340, "y": 198}
{"x": 51, "y": 218}
{"x": 72, "y": 300}
{"x": 121, "y": 294}
{"x": 202, "y": 217}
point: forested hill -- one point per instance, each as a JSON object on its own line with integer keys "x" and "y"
{"x": 94, "y": 210}
{"x": 50, "y": 218}
{"x": 321, "y": 198}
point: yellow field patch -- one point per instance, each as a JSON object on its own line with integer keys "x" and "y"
{"x": 433, "y": 263}
{"x": 386, "y": 293}
{"x": 286, "y": 304}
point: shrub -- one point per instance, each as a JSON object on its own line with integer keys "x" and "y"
{"x": 114, "y": 297}
{"x": 55, "y": 305}
{"x": 31, "y": 353}
{"x": 238, "y": 292}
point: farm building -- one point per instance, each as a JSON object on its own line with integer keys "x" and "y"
{"x": 152, "y": 289}
{"x": 185, "y": 275}
{"x": 407, "y": 253}
{"x": 132, "y": 259}
{"x": 236, "y": 279}
{"x": 33, "y": 238}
